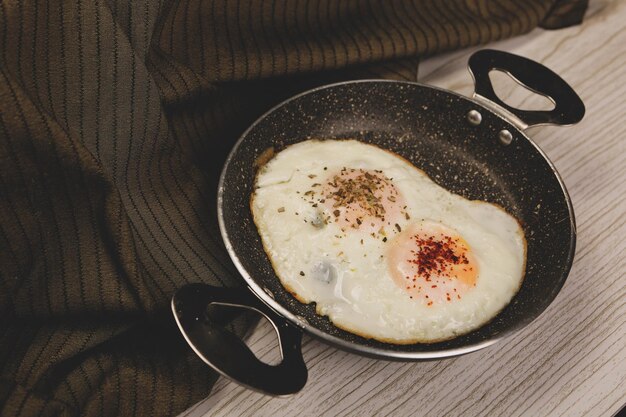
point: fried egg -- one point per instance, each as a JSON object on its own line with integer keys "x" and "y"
{"x": 382, "y": 250}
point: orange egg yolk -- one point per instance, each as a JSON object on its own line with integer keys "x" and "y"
{"x": 432, "y": 263}
{"x": 363, "y": 199}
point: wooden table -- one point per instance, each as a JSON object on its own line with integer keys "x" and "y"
{"x": 571, "y": 361}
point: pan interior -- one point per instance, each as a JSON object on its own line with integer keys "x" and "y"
{"x": 428, "y": 127}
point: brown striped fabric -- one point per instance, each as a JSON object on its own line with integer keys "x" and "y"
{"x": 115, "y": 118}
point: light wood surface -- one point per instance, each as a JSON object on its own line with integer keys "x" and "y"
{"x": 571, "y": 361}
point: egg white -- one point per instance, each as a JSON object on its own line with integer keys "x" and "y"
{"x": 360, "y": 295}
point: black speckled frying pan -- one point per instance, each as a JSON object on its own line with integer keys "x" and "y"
{"x": 474, "y": 147}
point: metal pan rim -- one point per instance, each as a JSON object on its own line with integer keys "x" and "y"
{"x": 375, "y": 352}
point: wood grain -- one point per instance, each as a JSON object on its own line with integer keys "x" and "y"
{"x": 569, "y": 362}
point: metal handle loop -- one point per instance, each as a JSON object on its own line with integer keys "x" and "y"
{"x": 227, "y": 353}
{"x": 569, "y": 108}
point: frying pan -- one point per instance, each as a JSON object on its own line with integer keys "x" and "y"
{"x": 475, "y": 147}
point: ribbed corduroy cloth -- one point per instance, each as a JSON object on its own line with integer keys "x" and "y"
{"x": 115, "y": 119}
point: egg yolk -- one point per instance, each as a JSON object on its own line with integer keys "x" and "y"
{"x": 363, "y": 199}
{"x": 432, "y": 263}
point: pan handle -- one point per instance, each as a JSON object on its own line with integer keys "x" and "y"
{"x": 227, "y": 353}
{"x": 569, "y": 108}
